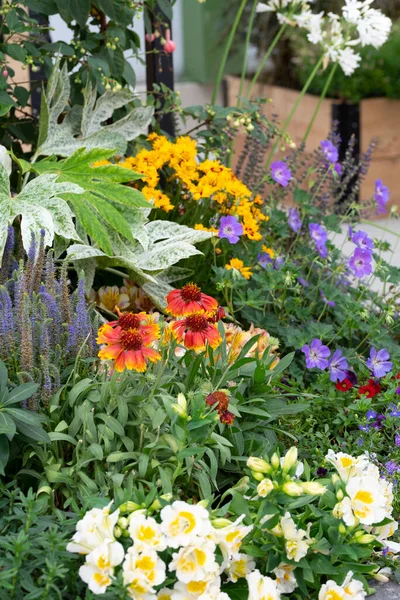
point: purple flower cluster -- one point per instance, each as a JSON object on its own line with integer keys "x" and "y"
{"x": 381, "y": 196}
{"x": 360, "y": 262}
{"x": 319, "y": 235}
{"x": 281, "y": 173}
{"x": 331, "y": 154}
{"x": 317, "y": 356}
{"x": 230, "y": 229}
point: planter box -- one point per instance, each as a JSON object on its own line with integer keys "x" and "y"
{"x": 379, "y": 120}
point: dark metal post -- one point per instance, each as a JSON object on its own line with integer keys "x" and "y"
{"x": 348, "y": 118}
{"x": 159, "y": 64}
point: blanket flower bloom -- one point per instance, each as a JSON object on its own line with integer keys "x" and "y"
{"x": 128, "y": 348}
{"x": 195, "y": 331}
{"x": 379, "y": 362}
{"x": 220, "y": 400}
{"x": 281, "y": 173}
{"x": 230, "y": 229}
{"x": 190, "y": 299}
{"x": 316, "y": 354}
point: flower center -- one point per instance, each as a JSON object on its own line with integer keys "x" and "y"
{"x": 131, "y": 339}
{"x": 228, "y": 229}
{"x": 129, "y": 321}
{"x": 191, "y": 291}
{"x": 197, "y": 322}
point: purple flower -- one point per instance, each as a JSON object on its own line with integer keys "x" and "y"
{"x": 360, "y": 442}
{"x": 361, "y": 262}
{"x": 385, "y": 551}
{"x": 303, "y": 282}
{"x": 395, "y": 412}
{"x": 363, "y": 427}
{"x": 322, "y": 472}
{"x": 318, "y": 233}
{"x": 377, "y": 424}
{"x": 329, "y": 151}
{"x": 371, "y": 414}
{"x": 391, "y": 467}
{"x": 322, "y": 250}
{"x": 362, "y": 240}
{"x": 281, "y": 173}
{"x": 398, "y": 391}
{"x": 338, "y": 168}
{"x": 352, "y": 377}
{"x": 264, "y": 259}
{"x": 278, "y": 263}
{"x": 231, "y": 229}
{"x": 325, "y": 299}
{"x": 397, "y": 440}
{"x": 381, "y": 196}
{"x": 294, "y": 220}
{"x": 338, "y": 366}
{"x": 316, "y": 354}
{"x": 379, "y": 362}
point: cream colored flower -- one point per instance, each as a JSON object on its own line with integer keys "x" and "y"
{"x": 96, "y": 526}
{"x": 262, "y": 587}
{"x": 230, "y": 538}
{"x": 285, "y": 579}
{"x": 346, "y": 465}
{"x": 289, "y": 460}
{"x": 194, "y": 563}
{"x": 196, "y": 589}
{"x": 98, "y": 570}
{"x": 239, "y": 567}
{"x": 386, "y": 531}
{"x": 111, "y": 296}
{"x": 354, "y": 589}
{"x": 183, "y": 523}
{"x": 295, "y": 545}
{"x": 331, "y": 591}
{"x": 368, "y": 501}
{"x": 164, "y": 594}
{"x": 264, "y": 488}
{"x": 146, "y": 533}
{"x": 144, "y": 566}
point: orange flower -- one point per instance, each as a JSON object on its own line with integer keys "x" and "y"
{"x": 141, "y": 321}
{"x": 128, "y": 348}
{"x": 188, "y": 300}
{"x": 195, "y": 331}
{"x": 221, "y": 400}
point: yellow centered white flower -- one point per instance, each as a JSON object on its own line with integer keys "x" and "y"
{"x": 96, "y": 526}
{"x": 368, "y": 502}
{"x": 351, "y": 589}
{"x": 138, "y": 586}
{"x": 164, "y": 594}
{"x": 386, "y": 531}
{"x": 183, "y": 523}
{"x": 98, "y": 570}
{"x": 146, "y": 533}
{"x": 331, "y": 591}
{"x": 239, "y": 567}
{"x": 346, "y": 465}
{"x": 194, "y": 589}
{"x": 194, "y": 563}
{"x": 285, "y": 579}
{"x": 145, "y": 566}
{"x": 97, "y": 580}
{"x": 230, "y": 538}
{"x": 296, "y": 546}
{"x": 262, "y": 587}
{"x": 265, "y": 487}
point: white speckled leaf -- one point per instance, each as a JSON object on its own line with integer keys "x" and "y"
{"x": 162, "y": 256}
{"x": 167, "y": 230}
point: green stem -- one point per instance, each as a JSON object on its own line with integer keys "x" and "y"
{"x": 226, "y": 51}
{"x": 295, "y": 107}
{"x": 321, "y": 99}
{"x": 246, "y": 51}
{"x": 264, "y": 59}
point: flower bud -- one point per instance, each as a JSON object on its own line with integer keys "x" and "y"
{"x": 275, "y": 462}
{"x": 290, "y": 459}
{"x": 339, "y": 495}
{"x": 259, "y": 465}
{"x": 335, "y": 478}
{"x": 342, "y": 529}
{"x": 258, "y": 476}
{"x": 117, "y": 531}
{"x": 243, "y": 484}
{"x": 264, "y": 488}
{"x": 179, "y": 410}
{"x": 129, "y": 507}
{"x": 292, "y": 489}
{"x": 313, "y": 488}
{"x": 364, "y": 538}
{"x": 123, "y": 522}
{"x": 383, "y": 575}
{"x": 203, "y": 503}
{"x": 220, "y": 523}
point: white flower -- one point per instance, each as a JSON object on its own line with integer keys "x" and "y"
{"x": 239, "y": 567}
{"x": 343, "y": 510}
{"x": 230, "y": 538}
{"x": 97, "y": 580}
{"x": 262, "y": 587}
{"x": 285, "y": 579}
{"x": 183, "y": 523}
{"x": 330, "y": 590}
{"x": 138, "y": 586}
{"x": 194, "y": 563}
{"x": 374, "y": 28}
{"x": 265, "y": 487}
{"x": 146, "y": 533}
{"x": 348, "y": 60}
{"x": 368, "y": 501}
{"x": 354, "y": 589}
{"x": 346, "y": 465}
{"x": 164, "y": 594}
{"x": 386, "y": 531}
{"x": 96, "y": 526}
{"x": 197, "y": 589}
{"x": 99, "y": 567}
{"x": 144, "y": 566}
{"x": 5, "y": 159}
{"x": 311, "y": 22}
{"x": 295, "y": 545}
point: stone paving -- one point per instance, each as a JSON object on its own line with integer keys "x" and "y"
{"x": 387, "y": 591}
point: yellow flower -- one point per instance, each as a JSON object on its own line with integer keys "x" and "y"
{"x": 238, "y": 265}
{"x": 267, "y": 250}
{"x": 111, "y": 296}
{"x": 201, "y": 227}
{"x": 100, "y": 163}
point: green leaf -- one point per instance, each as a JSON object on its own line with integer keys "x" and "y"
{"x": 22, "y": 392}
{"x": 55, "y": 436}
{"x": 33, "y": 432}
{"x": 112, "y": 423}
{"x": 4, "y": 453}
{"x": 80, "y": 11}
{"x": 7, "y": 425}
{"x": 166, "y": 7}
{"x": 117, "y": 456}
{"x": 16, "y": 51}
{"x": 96, "y": 450}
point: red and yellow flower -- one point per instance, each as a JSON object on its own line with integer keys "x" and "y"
{"x": 129, "y": 348}
{"x": 195, "y": 331}
{"x": 220, "y": 400}
{"x": 190, "y": 299}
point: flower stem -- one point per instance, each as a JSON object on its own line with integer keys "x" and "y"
{"x": 295, "y": 107}
{"x": 246, "y": 51}
{"x": 265, "y": 58}
{"x": 226, "y": 51}
{"x": 321, "y": 99}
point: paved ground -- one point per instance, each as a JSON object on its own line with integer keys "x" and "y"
{"x": 387, "y": 591}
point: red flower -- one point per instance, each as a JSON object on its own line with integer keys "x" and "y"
{"x": 220, "y": 314}
{"x": 190, "y": 299}
{"x": 195, "y": 332}
{"x": 128, "y": 348}
{"x": 221, "y": 399}
{"x": 344, "y": 386}
{"x": 370, "y": 390}
{"x": 227, "y": 418}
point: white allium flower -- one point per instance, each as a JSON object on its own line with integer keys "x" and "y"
{"x": 374, "y": 28}
{"x": 311, "y": 22}
{"x": 349, "y": 60}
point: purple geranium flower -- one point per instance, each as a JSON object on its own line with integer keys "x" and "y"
{"x": 338, "y": 168}
{"x": 294, "y": 220}
{"x": 318, "y": 233}
{"x": 231, "y": 229}
{"x": 381, "y": 196}
{"x": 362, "y": 240}
{"x": 397, "y": 440}
{"x": 303, "y": 282}
{"x": 379, "y": 362}
{"x": 338, "y": 366}
{"x": 361, "y": 262}
{"x": 281, "y": 173}
{"x": 279, "y": 263}
{"x": 316, "y": 354}
{"x": 264, "y": 259}
{"x": 329, "y": 151}
{"x": 322, "y": 250}
{"x": 391, "y": 467}
{"x": 325, "y": 299}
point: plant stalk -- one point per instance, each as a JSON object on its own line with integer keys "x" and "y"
{"x": 264, "y": 59}
{"x": 321, "y": 99}
{"x": 246, "y": 51}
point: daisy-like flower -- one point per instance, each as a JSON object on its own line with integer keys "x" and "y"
{"x": 379, "y": 362}
{"x": 285, "y": 580}
{"x": 195, "y": 331}
{"x": 295, "y": 545}
{"x": 316, "y": 354}
{"x": 111, "y": 297}
{"x": 230, "y": 538}
{"x": 262, "y": 586}
{"x": 146, "y": 533}
{"x": 128, "y": 348}
{"x": 231, "y": 229}
{"x": 239, "y": 567}
{"x": 184, "y": 523}
{"x": 188, "y": 300}
{"x": 194, "y": 563}
{"x": 281, "y": 173}
{"x": 238, "y": 265}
